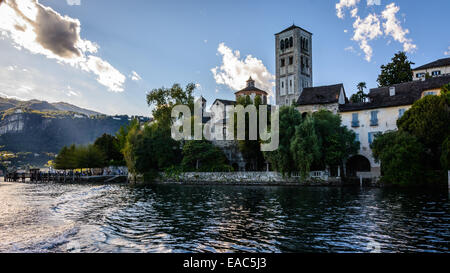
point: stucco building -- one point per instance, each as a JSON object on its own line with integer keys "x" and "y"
{"x": 434, "y": 69}
{"x": 328, "y": 98}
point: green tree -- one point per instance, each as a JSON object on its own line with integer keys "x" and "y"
{"x": 360, "y": 96}
{"x": 203, "y": 156}
{"x": 164, "y": 99}
{"x": 401, "y": 156}
{"x": 89, "y": 157}
{"x": 122, "y": 134}
{"x": 445, "y": 157}
{"x": 109, "y": 145}
{"x": 337, "y": 143}
{"x": 282, "y": 160}
{"x": 428, "y": 120}
{"x": 305, "y": 147}
{"x": 151, "y": 150}
{"x": 397, "y": 71}
{"x": 250, "y": 149}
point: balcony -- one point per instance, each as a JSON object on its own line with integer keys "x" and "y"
{"x": 355, "y": 123}
{"x": 374, "y": 122}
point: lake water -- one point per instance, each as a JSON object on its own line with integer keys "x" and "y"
{"x": 171, "y": 218}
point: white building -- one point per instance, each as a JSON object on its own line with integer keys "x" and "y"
{"x": 434, "y": 69}
{"x": 386, "y": 105}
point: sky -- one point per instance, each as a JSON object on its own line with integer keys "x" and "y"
{"x": 105, "y": 55}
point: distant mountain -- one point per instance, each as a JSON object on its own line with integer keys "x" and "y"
{"x": 43, "y": 106}
{"x": 36, "y": 130}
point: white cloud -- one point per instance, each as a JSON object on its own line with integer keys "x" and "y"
{"x": 234, "y": 71}
{"x": 344, "y": 4}
{"x": 373, "y": 2}
{"x": 393, "y": 28}
{"x": 446, "y": 53}
{"x": 106, "y": 73}
{"x": 198, "y": 87}
{"x": 350, "y": 49}
{"x": 73, "y": 2}
{"x": 135, "y": 76}
{"x": 375, "y": 25}
{"x": 32, "y": 26}
{"x": 366, "y": 30}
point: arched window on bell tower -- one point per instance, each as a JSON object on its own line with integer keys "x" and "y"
{"x": 282, "y": 44}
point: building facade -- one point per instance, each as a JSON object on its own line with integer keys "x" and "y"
{"x": 434, "y": 69}
{"x": 380, "y": 115}
{"x": 318, "y": 98}
{"x": 294, "y": 65}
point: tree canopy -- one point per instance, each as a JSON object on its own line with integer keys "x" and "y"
{"x": 397, "y": 71}
{"x": 401, "y": 156}
{"x": 164, "y": 99}
{"x": 203, "y": 156}
{"x": 360, "y": 96}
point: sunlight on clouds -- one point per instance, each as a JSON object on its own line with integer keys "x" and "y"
{"x": 32, "y": 26}
{"x": 107, "y": 74}
{"x": 344, "y": 4}
{"x": 135, "y": 76}
{"x": 392, "y": 27}
{"x": 366, "y": 30}
{"x": 374, "y": 25}
{"x": 73, "y": 2}
{"x": 234, "y": 71}
{"x": 447, "y": 53}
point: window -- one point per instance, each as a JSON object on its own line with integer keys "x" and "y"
{"x": 420, "y": 75}
{"x": 436, "y": 73}
{"x": 401, "y": 112}
{"x": 282, "y": 44}
{"x": 374, "y": 118}
{"x": 357, "y": 137}
{"x": 429, "y": 93}
{"x": 283, "y": 62}
{"x": 373, "y": 136}
{"x": 291, "y": 42}
{"x": 355, "y": 120}
{"x": 291, "y": 60}
{"x": 286, "y": 43}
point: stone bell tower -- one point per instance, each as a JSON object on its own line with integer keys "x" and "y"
{"x": 293, "y": 52}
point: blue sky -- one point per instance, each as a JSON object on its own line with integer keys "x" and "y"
{"x": 168, "y": 42}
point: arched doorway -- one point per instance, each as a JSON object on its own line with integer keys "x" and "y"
{"x": 357, "y": 163}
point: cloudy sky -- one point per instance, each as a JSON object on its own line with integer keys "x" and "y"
{"x": 106, "y": 54}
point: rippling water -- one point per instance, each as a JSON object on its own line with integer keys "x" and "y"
{"x": 170, "y": 218}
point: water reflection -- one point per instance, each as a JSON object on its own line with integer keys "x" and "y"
{"x": 118, "y": 218}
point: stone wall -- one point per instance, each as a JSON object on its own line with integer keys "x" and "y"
{"x": 239, "y": 178}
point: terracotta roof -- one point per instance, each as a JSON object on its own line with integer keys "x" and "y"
{"x": 251, "y": 88}
{"x": 292, "y": 28}
{"x": 438, "y": 63}
{"x": 320, "y": 95}
{"x": 405, "y": 94}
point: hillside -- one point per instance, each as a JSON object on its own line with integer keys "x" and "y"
{"x": 7, "y": 104}
{"x": 36, "y": 130}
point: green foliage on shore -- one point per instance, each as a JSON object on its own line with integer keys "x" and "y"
{"x": 401, "y": 155}
{"x": 80, "y": 157}
{"x": 203, "y": 156}
{"x": 316, "y": 141}
{"x": 250, "y": 149}
{"x": 418, "y": 152}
